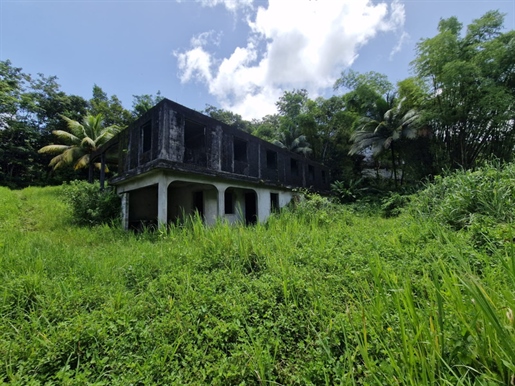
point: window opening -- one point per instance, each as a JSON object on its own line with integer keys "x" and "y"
{"x": 146, "y": 136}
{"x": 323, "y": 177}
{"x": 198, "y": 202}
{"x": 194, "y": 136}
{"x": 240, "y": 150}
{"x": 274, "y": 202}
{"x": 271, "y": 159}
{"x": 294, "y": 167}
{"x": 311, "y": 172}
{"x": 229, "y": 202}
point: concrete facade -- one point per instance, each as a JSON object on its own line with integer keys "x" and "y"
{"x": 174, "y": 162}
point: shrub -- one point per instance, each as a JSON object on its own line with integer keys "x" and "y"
{"x": 347, "y": 191}
{"x": 392, "y": 206}
{"x": 457, "y": 199}
{"x": 90, "y": 205}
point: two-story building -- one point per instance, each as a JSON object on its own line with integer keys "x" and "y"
{"x": 174, "y": 161}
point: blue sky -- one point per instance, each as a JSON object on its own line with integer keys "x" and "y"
{"x": 236, "y": 54}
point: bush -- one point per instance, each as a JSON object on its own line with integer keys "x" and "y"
{"x": 392, "y": 206}
{"x": 90, "y": 205}
{"x": 458, "y": 199}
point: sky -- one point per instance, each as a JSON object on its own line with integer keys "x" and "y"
{"x": 239, "y": 55}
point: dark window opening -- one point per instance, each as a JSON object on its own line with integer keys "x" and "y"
{"x": 294, "y": 167}
{"x": 194, "y": 136}
{"x": 198, "y": 202}
{"x": 250, "y": 208}
{"x": 146, "y": 137}
{"x": 229, "y": 202}
{"x": 195, "y": 143}
{"x": 271, "y": 159}
{"x": 274, "y": 202}
{"x": 240, "y": 150}
{"x": 323, "y": 177}
{"x": 311, "y": 172}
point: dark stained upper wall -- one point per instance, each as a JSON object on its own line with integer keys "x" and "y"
{"x": 188, "y": 141}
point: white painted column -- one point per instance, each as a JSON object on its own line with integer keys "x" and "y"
{"x": 125, "y": 210}
{"x": 263, "y": 204}
{"x": 162, "y": 202}
{"x": 221, "y": 200}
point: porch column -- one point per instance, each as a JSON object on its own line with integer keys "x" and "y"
{"x": 221, "y": 201}
{"x": 263, "y": 204}
{"x": 125, "y": 210}
{"x": 162, "y": 203}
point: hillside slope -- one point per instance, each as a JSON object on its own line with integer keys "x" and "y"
{"x": 323, "y": 295}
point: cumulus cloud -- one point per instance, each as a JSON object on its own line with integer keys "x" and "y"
{"x": 291, "y": 44}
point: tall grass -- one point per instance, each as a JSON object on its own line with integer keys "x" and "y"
{"x": 319, "y": 295}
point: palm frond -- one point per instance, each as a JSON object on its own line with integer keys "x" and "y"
{"x": 75, "y": 127}
{"x": 53, "y": 149}
{"x": 98, "y": 165}
{"x": 82, "y": 162}
{"x": 66, "y": 136}
{"x": 88, "y": 143}
{"x": 106, "y": 134}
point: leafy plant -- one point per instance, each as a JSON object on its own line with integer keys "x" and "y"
{"x": 347, "y": 191}
{"x": 90, "y": 205}
{"x": 392, "y": 206}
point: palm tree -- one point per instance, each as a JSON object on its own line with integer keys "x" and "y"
{"x": 384, "y": 125}
{"x": 82, "y": 140}
{"x": 291, "y": 139}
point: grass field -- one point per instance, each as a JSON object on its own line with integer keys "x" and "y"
{"x": 322, "y": 295}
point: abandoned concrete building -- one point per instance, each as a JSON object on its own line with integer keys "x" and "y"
{"x": 174, "y": 161}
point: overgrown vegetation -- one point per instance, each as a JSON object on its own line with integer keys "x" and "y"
{"x": 322, "y": 294}
{"x": 90, "y": 205}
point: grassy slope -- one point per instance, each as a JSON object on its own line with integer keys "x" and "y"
{"x": 325, "y": 298}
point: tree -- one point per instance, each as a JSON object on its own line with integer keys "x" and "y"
{"x": 110, "y": 108}
{"x": 142, "y": 103}
{"x": 266, "y": 128}
{"x": 292, "y": 140}
{"x": 29, "y": 111}
{"x": 471, "y": 90}
{"x": 292, "y": 107}
{"x": 388, "y": 124}
{"x": 228, "y": 117}
{"x": 83, "y": 139}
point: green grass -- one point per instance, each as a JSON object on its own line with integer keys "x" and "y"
{"x": 326, "y": 296}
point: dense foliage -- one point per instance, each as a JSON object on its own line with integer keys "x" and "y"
{"x": 90, "y": 205}
{"x": 323, "y": 294}
{"x": 456, "y": 112}
{"x": 31, "y": 108}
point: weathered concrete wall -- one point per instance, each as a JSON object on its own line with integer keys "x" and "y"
{"x": 170, "y": 126}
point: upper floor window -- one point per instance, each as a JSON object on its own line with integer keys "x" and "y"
{"x": 146, "y": 136}
{"x": 194, "y": 135}
{"x": 271, "y": 159}
{"x": 240, "y": 150}
{"x": 311, "y": 172}
{"x": 294, "y": 167}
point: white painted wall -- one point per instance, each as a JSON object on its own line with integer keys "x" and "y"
{"x": 170, "y": 207}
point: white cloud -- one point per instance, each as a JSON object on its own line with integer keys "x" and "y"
{"x": 206, "y": 37}
{"x": 231, "y": 5}
{"x": 403, "y": 39}
{"x": 291, "y": 44}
